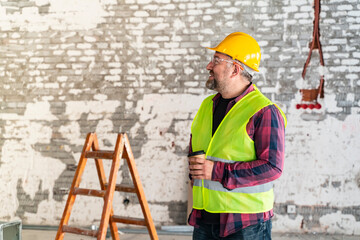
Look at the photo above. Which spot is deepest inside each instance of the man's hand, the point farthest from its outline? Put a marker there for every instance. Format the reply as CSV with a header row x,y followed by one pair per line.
x,y
200,168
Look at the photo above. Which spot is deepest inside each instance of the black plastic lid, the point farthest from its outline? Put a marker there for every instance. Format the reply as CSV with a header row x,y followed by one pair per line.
x,y
196,153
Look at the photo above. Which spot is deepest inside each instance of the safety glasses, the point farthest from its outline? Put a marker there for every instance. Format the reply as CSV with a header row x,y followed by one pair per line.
x,y
216,60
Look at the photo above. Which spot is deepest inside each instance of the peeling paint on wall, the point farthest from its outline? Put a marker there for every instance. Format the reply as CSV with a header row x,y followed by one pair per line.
x,y
162,139
36,16
27,172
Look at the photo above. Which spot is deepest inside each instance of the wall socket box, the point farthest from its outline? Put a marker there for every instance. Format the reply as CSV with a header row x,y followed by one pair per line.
x,y
291,209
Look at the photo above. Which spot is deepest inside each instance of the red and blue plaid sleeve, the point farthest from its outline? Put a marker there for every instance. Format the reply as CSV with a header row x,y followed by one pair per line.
x,y
267,130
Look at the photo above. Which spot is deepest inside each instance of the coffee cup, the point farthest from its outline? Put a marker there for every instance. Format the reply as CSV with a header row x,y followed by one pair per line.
x,y
198,154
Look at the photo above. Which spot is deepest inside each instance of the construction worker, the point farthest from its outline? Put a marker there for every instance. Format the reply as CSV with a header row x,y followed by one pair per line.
x,y
241,133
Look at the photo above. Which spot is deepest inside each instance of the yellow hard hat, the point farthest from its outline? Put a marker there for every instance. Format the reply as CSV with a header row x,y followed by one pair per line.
x,y
242,47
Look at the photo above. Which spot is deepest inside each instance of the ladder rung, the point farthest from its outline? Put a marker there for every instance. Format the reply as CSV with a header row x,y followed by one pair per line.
x,y
89,192
91,233
128,220
100,154
124,188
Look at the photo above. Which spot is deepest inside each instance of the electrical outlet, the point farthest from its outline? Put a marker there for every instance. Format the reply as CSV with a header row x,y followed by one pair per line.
x,y
291,209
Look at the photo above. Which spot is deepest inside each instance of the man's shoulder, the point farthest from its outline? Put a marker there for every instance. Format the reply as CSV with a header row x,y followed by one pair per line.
x,y
268,113
269,108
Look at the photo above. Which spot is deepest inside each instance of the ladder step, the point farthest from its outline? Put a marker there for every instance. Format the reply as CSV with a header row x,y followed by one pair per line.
x,y
100,154
89,192
129,220
74,230
124,188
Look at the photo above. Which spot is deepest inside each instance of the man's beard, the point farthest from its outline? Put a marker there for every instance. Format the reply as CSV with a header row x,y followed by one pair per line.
x,y
211,84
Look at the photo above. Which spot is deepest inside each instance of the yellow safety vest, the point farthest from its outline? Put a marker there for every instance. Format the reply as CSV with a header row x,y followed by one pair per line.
x,y
230,143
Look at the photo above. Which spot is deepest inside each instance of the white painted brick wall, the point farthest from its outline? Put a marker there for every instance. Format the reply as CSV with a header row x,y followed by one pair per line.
x,y
138,66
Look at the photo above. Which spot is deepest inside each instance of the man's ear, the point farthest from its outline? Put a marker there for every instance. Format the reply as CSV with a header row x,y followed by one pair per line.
x,y
237,69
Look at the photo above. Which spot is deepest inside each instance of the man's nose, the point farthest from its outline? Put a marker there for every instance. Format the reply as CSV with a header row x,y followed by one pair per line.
x,y
210,66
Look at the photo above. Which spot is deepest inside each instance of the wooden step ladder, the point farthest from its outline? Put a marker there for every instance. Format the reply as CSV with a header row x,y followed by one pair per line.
x,y
122,151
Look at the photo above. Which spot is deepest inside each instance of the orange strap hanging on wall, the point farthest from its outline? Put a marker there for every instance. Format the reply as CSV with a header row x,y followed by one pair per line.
x,y
312,94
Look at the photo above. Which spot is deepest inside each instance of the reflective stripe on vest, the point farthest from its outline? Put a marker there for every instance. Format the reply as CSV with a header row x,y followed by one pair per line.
x,y
216,186
230,143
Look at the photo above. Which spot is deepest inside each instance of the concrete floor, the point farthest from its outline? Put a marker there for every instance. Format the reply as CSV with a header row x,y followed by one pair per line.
x,y
49,235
